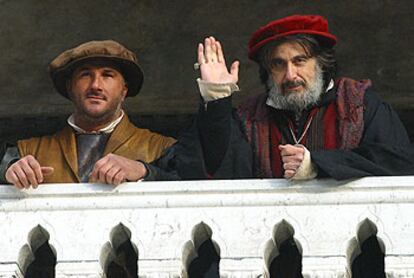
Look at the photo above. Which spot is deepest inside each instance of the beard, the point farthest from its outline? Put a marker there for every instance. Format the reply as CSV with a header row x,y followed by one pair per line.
x,y
103,112
296,101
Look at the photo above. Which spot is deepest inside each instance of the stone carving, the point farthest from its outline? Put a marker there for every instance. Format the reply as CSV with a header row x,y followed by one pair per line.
x,y
37,258
366,252
160,215
201,254
119,256
283,253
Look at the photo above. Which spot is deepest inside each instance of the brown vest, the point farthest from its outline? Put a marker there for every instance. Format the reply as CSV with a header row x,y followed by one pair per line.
x,y
59,150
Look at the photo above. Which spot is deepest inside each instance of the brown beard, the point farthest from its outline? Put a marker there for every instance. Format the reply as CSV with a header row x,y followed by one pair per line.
x,y
296,102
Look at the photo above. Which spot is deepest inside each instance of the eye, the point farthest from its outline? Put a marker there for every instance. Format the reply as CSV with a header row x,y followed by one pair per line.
x,y
84,73
277,63
108,74
301,60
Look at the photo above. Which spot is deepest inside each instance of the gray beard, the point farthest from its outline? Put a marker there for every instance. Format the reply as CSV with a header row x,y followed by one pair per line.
x,y
296,102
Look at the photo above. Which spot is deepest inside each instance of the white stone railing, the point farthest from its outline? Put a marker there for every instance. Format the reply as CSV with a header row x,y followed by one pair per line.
x,y
241,214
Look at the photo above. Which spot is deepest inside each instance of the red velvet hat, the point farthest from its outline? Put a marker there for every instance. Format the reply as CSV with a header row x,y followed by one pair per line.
x,y
314,25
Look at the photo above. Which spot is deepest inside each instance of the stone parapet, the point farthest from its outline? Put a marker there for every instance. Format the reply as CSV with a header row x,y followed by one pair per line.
x,y
246,221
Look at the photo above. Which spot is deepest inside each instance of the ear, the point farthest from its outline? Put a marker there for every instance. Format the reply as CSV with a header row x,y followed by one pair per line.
x,y
69,88
125,90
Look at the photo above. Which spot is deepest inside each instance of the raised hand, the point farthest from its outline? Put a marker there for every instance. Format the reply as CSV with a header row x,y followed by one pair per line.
x,y
115,169
27,172
213,65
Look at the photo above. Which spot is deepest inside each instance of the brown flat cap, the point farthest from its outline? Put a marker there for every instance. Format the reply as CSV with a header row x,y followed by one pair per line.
x,y
62,66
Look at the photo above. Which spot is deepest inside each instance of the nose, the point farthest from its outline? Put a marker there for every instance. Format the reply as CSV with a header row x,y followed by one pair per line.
x,y
96,82
291,72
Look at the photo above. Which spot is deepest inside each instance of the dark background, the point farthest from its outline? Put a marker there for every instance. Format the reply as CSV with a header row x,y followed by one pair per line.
x,y
375,41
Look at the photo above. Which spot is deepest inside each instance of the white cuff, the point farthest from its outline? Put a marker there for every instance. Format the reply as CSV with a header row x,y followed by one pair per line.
x,y
307,170
212,91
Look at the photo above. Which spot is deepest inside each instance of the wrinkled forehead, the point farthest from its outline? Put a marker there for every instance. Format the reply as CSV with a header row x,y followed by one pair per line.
x,y
290,49
98,63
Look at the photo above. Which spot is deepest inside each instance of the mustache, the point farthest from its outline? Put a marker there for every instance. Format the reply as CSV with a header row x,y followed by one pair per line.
x,y
94,93
288,84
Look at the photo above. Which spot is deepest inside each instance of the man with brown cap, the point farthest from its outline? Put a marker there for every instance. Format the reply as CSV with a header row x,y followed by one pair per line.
x,y
308,123
99,143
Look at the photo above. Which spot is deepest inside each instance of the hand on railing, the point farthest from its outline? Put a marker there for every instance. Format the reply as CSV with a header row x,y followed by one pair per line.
x,y
27,172
115,169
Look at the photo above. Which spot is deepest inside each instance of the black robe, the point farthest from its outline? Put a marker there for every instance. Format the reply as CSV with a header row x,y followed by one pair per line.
x,y
217,146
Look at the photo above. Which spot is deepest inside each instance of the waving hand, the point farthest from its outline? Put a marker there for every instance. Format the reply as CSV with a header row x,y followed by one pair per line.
x,y
213,64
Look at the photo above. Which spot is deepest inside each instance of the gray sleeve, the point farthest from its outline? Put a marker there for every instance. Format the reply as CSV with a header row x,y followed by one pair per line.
x,y
10,156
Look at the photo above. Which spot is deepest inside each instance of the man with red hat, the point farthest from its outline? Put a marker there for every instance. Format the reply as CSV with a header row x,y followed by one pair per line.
x,y
308,123
99,143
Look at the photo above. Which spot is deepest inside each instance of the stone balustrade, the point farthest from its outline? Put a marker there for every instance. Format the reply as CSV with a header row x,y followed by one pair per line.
x,y
87,230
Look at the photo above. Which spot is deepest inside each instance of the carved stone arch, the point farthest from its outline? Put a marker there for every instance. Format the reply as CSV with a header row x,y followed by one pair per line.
x,y
37,258
366,252
119,256
201,254
283,253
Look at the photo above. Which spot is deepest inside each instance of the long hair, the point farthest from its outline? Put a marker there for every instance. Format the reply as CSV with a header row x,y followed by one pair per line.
x,y
325,56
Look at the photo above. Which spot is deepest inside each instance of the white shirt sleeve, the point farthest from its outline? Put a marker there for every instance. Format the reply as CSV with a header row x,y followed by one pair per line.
x,y
307,170
213,91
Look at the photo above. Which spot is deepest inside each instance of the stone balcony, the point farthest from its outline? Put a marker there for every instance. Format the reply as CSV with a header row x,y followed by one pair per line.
x,y
165,223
